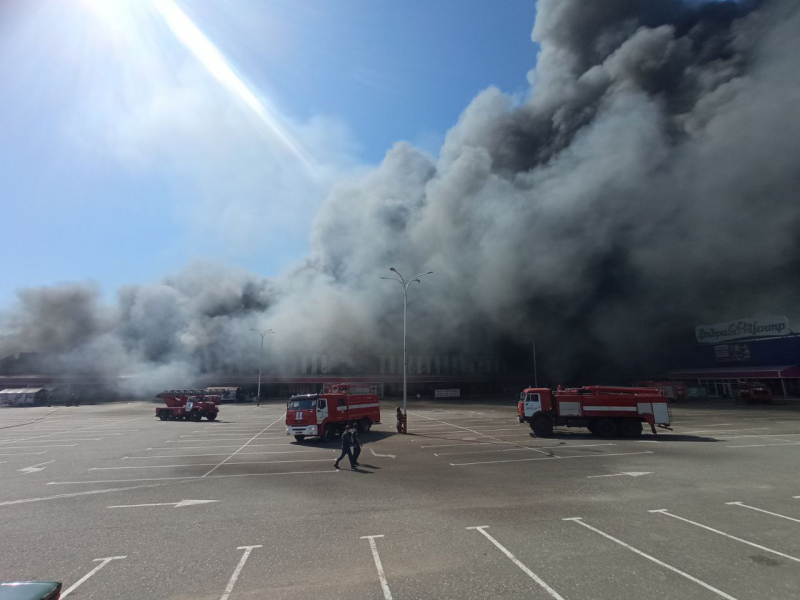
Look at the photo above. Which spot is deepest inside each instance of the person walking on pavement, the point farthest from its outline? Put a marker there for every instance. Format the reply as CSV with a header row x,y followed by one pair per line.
x,y
356,444
347,441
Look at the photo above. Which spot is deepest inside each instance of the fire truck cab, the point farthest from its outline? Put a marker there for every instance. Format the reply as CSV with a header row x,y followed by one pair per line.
x,y
327,413
605,411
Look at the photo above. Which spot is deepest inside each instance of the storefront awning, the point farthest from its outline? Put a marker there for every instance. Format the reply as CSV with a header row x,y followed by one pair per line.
x,y
777,372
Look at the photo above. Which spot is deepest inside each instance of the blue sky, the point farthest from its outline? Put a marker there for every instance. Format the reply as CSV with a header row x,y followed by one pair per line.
x,y
125,156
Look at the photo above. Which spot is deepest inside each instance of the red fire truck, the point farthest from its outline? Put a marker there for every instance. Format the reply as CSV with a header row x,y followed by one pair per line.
x,y
605,411
190,405
327,413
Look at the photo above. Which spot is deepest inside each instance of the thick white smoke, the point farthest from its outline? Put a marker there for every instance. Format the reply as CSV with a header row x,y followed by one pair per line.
x,y
647,184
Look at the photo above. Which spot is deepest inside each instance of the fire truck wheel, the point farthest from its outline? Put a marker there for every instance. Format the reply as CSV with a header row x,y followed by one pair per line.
x,y
299,438
606,428
196,415
327,434
364,425
542,426
211,416
163,415
630,428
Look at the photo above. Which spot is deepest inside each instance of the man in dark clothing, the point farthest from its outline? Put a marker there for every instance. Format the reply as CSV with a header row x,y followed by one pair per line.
x,y
347,441
356,444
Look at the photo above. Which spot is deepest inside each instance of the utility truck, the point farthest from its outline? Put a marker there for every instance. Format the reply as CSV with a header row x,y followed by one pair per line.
x,y
604,410
328,412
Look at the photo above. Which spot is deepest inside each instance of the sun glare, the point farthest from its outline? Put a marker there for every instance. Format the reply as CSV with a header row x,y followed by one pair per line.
x,y
212,59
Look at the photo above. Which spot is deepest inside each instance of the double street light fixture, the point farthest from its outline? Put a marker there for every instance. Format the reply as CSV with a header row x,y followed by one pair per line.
x,y
260,361
399,279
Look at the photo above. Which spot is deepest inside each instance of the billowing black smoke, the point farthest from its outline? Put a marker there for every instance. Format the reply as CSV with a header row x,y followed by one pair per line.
x,y
648,183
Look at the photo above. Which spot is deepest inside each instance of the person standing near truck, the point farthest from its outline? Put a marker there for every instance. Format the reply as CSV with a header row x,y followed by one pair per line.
x,y
347,441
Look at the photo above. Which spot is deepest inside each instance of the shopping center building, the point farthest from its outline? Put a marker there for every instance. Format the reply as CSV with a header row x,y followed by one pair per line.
x,y
747,350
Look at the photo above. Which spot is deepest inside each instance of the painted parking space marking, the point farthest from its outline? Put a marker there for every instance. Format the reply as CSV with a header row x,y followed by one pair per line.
x,y
579,521
87,428
665,512
191,478
286,443
60,440
36,447
783,443
382,455
550,457
387,594
491,437
762,435
472,445
774,514
625,474
24,453
103,562
258,462
35,468
242,448
237,571
517,449
226,454
516,561
179,504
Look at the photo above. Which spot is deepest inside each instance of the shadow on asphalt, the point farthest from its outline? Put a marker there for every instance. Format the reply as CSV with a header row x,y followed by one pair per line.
x,y
366,438
565,436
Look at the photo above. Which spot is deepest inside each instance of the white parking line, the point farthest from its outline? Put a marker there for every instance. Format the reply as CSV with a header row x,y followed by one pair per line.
x,y
221,446
721,431
664,511
256,462
24,453
786,443
82,580
36,447
468,445
210,441
774,514
190,478
238,570
550,457
381,575
520,449
212,436
579,521
243,446
761,435
85,428
491,437
516,561
63,440
226,454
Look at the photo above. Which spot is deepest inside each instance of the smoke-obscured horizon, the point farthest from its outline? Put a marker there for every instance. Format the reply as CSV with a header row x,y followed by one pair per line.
x,y
647,184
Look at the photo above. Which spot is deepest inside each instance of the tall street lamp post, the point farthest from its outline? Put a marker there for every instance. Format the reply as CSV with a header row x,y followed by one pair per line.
x,y
260,361
399,279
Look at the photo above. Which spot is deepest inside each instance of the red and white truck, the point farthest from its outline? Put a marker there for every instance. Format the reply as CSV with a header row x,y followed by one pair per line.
x,y
327,413
604,410
190,405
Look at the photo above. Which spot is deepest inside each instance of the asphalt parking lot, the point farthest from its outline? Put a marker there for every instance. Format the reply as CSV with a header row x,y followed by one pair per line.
x,y
117,504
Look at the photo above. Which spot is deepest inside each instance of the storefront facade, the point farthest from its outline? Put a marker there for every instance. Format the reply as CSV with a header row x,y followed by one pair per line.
x,y
728,354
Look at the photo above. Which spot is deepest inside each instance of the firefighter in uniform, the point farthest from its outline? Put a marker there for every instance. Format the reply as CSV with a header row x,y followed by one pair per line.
x,y
347,441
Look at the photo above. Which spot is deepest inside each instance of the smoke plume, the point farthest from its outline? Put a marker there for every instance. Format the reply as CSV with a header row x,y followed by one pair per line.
x,y
647,183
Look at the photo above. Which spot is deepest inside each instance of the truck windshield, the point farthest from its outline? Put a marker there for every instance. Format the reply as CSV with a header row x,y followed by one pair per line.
x,y
302,404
